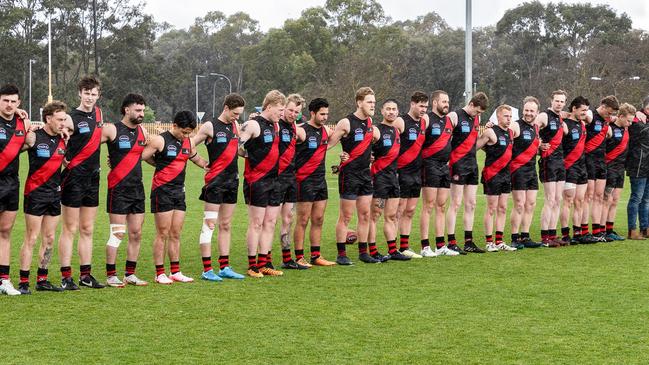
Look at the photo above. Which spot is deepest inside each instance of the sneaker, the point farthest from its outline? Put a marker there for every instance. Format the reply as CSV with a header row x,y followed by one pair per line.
x,y
366,258
381,257
600,237
564,241
550,243
412,254
269,271
292,265
228,273
427,252
304,262
518,245
587,239
210,276
446,251
254,273
574,240
614,236
179,277
344,260
90,282
457,249
528,243
113,281
320,261
134,280
399,256
163,279
45,285
502,246
68,284
491,247
23,288
471,247
7,288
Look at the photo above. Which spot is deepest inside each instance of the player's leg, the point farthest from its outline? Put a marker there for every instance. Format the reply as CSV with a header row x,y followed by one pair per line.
x,y
117,231
210,221
518,211
501,219
173,247
45,253
7,219
569,193
32,230
347,207
134,228
86,227
255,224
429,198
266,241
315,233
69,228
225,213
489,214
162,227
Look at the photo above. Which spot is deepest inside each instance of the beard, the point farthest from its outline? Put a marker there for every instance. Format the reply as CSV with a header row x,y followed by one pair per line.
x,y
137,120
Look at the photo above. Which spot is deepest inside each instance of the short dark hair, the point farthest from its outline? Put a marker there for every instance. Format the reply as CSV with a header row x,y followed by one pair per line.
x,y
480,100
233,101
185,119
89,83
610,101
9,89
578,102
318,103
418,97
436,94
53,107
131,99
390,100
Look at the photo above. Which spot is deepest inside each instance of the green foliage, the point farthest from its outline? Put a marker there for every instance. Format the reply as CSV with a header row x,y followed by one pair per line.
x,y
149,114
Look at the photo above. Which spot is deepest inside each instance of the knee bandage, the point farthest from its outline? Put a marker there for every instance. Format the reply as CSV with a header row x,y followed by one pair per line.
x,y
113,240
206,230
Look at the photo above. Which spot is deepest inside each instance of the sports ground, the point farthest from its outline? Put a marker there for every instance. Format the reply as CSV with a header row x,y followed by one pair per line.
x,y
573,305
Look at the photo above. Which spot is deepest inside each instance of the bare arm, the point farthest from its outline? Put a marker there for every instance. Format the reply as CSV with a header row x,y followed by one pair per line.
x,y
342,129
400,124
541,120
195,157
108,133
30,139
300,134
488,137
376,134
453,117
249,130
205,132
516,129
155,145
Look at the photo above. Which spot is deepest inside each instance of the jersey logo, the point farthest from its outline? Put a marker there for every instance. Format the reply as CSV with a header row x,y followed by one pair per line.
x,y
313,142
618,133
387,141
436,130
286,135
3,133
268,136
124,142
172,151
527,135
502,141
598,126
359,135
465,126
553,125
43,150
83,127
412,134
575,134
221,137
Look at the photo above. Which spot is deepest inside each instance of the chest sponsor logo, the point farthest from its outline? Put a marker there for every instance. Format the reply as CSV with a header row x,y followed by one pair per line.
x,y
43,150
124,142
172,151
268,136
359,134
286,135
83,127
313,142
413,133
465,127
221,137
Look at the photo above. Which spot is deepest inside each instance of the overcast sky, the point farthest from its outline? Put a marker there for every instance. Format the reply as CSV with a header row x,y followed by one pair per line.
x,y
271,14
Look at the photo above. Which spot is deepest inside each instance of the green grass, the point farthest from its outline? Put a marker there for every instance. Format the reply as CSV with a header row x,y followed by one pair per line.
x,y
582,304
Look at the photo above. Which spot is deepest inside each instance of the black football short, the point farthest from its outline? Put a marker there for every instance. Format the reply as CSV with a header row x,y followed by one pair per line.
x,y
221,191
167,199
287,189
125,200
615,179
9,196
525,178
551,170
595,167
351,185
435,174
499,184
40,205
79,190
261,193
386,186
409,184
577,173
312,189
468,175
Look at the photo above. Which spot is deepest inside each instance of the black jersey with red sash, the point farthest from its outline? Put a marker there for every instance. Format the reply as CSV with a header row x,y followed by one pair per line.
x,y
45,159
412,140
286,149
596,136
310,155
222,152
125,155
573,143
386,151
263,153
552,134
170,163
12,138
525,147
616,148
83,146
437,141
357,145
498,155
463,153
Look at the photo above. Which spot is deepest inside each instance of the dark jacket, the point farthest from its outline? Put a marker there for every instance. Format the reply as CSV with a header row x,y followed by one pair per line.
x,y
637,160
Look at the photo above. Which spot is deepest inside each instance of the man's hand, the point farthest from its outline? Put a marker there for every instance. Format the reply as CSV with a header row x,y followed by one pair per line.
x,y
544,146
22,114
489,124
344,156
564,114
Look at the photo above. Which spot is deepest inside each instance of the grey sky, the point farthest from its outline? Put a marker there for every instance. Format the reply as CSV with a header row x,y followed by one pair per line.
x,y
271,14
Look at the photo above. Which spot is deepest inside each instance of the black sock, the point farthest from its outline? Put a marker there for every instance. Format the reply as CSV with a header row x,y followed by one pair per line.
x,y
425,243
439,242
514,237
342,250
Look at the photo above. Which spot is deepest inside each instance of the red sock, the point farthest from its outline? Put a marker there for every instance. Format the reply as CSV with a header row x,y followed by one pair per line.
x,y
159,270
224,261
252,262
261,260
286,255
392,246
175,267
207,263
403,242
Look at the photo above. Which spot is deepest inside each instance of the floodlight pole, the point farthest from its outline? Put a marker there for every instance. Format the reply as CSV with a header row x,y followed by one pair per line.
x,y
468,54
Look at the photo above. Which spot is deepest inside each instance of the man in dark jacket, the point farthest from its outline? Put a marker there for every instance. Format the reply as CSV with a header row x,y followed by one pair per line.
x,y
637,167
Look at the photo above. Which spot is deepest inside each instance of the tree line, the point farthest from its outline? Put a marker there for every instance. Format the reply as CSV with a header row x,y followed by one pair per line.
x,y
329,51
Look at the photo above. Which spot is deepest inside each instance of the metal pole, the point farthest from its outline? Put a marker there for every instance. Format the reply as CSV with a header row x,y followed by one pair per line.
x,y
49,46
214,100
30,88
196,95
468,54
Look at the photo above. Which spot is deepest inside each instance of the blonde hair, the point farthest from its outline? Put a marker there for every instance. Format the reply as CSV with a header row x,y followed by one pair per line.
x,y
500,108
363,92
531,99
626,109
296,99
274,97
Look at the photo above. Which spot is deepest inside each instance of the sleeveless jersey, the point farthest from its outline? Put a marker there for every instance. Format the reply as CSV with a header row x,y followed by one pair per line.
x,y
525,147
596,136
12,138
263,153
357,145
311,154
498,155
553,134
170,163
83,145
45,159
125,155
573,143
437,143
412,140
386,151
463,153
286,149
222,152
617,147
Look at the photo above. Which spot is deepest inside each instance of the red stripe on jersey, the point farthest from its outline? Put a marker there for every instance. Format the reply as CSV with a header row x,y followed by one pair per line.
x,y
576,152
597,141
465,147
45,172
381,163
440,142
555,142
492,170
526,156
224,160
124,167
415,149
287,157
171,171
619,149
253,174
314,161
360,148
12,149
92,146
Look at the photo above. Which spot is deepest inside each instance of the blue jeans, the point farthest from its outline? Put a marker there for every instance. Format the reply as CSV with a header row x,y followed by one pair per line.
x,y
638,203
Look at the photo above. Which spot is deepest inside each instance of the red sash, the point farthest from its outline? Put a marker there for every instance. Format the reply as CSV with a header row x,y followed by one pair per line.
x,y
619,149
555,142
577,152
414,151
526,156
316,159
379,164
492,170
440,142
360,148
45,172
93,144
264,167
12,149
126,165
171,171
287,157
